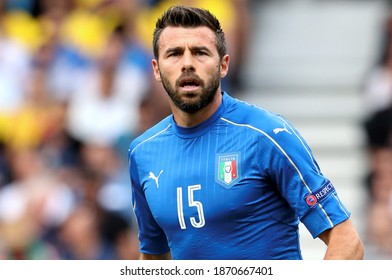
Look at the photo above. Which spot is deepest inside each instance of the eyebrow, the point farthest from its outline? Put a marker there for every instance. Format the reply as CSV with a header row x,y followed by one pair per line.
x,y
200,49
175,49
193,49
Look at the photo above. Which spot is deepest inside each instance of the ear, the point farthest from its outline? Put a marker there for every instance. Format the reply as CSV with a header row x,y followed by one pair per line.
x,y
155,67
224,66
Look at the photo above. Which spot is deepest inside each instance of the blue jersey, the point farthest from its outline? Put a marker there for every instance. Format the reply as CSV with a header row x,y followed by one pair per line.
x,y
233,187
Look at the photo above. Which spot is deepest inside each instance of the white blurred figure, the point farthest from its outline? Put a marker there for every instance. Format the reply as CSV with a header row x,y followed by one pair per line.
x,y
106,106
33,203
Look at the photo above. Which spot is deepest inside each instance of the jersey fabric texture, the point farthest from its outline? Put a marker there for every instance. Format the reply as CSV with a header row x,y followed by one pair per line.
x,y
233,187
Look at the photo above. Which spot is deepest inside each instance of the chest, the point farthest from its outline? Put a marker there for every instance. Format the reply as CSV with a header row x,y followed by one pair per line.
x,y
193,183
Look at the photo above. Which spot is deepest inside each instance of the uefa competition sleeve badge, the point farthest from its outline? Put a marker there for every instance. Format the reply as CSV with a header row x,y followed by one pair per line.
x,y
228,169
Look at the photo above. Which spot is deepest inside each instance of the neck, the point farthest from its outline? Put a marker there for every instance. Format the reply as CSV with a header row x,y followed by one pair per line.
x,y
185,119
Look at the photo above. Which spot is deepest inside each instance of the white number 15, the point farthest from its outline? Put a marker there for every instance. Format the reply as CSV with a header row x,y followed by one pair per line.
x,y
197,223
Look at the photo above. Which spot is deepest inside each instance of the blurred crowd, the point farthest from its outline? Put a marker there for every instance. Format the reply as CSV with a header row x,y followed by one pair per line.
x,y
76,86
377,125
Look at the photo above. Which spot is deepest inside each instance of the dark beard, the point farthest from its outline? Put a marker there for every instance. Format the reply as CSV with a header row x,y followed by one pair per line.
x,y
208,92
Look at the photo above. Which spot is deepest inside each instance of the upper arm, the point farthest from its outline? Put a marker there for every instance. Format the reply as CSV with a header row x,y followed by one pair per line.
x,y
151,236
297,175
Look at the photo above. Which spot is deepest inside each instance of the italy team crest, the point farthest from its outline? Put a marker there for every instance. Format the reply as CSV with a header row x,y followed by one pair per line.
x,y
228,169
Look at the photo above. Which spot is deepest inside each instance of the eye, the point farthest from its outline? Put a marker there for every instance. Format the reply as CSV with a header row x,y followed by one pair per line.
x,y
173,54
201,53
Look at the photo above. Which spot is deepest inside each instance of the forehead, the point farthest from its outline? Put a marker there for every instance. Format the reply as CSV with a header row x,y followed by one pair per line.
x,y
179,36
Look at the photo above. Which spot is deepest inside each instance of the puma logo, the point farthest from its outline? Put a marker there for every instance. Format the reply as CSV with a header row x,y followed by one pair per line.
x,y
155,178
280,129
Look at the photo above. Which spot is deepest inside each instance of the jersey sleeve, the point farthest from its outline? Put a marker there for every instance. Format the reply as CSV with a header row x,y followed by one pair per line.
x,y
296,174
151,236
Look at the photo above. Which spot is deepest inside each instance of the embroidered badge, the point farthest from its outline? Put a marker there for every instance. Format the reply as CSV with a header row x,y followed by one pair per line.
x,y
228,169
320,194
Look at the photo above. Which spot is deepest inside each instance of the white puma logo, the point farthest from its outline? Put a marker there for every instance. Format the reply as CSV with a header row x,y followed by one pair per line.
x,y
280,129
155,178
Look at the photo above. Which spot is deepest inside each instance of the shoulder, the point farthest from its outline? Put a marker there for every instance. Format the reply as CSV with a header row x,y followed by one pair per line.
x,y
152,133
251,116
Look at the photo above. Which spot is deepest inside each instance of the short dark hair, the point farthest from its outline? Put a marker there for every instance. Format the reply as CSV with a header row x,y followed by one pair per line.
x,y
182,16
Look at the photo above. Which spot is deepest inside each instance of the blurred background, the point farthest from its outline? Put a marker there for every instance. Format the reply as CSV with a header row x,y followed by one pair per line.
x,y
76,86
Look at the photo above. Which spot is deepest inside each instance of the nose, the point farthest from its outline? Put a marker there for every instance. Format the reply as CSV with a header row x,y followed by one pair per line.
x,y
188,62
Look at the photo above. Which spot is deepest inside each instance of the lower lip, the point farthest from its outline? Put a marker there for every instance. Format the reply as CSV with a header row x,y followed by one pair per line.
x,y
189,89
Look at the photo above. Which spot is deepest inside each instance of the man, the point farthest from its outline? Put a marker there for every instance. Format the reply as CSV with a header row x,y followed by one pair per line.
x,y
219,178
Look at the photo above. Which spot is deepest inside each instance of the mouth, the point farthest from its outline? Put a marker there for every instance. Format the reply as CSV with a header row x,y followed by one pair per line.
x,y
189,84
